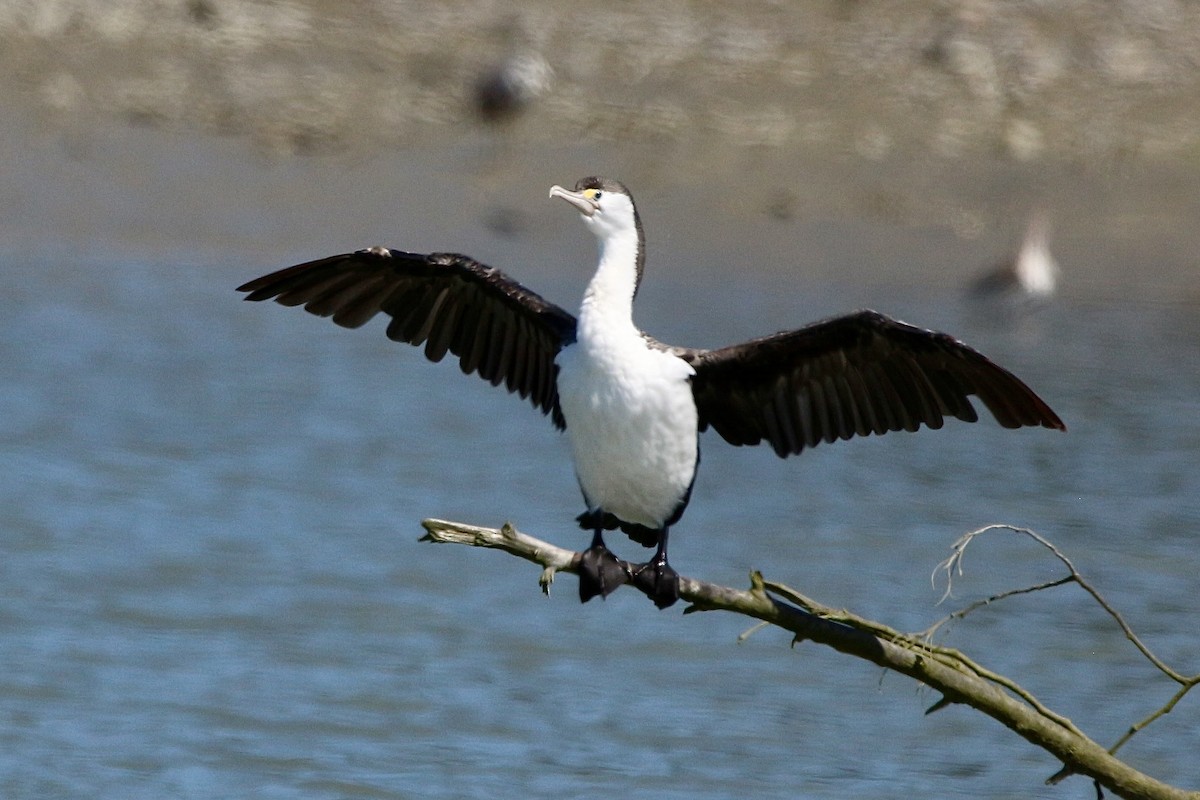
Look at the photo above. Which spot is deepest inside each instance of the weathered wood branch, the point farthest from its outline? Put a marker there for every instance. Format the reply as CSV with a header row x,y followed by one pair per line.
x,y
956,677
953,564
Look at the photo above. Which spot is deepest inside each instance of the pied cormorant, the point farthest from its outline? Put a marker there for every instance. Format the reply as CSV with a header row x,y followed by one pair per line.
x,y
633,407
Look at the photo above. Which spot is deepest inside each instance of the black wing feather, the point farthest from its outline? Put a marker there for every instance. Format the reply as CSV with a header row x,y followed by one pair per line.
x,y
446,302
856,375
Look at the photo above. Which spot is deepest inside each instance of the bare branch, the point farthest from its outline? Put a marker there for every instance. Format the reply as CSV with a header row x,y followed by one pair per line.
x,y
1166,709
953,565
957,678
987,601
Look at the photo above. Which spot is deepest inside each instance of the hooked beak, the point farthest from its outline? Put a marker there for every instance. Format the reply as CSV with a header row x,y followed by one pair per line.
x,y
584,205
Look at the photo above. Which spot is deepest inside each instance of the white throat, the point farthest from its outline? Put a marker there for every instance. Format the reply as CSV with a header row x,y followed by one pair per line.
x,y
607,307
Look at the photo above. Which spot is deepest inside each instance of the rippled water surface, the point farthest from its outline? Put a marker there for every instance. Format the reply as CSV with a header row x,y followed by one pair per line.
x,y
212,586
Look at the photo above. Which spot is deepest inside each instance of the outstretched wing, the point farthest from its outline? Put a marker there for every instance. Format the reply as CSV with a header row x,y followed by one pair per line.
x,y
449,303
849,376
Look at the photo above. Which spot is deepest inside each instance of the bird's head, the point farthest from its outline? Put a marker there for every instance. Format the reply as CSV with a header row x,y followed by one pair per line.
x,y
605,205
607,209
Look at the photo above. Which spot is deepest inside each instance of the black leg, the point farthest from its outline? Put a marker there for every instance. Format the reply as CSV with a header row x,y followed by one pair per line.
x,y
656,578
600,572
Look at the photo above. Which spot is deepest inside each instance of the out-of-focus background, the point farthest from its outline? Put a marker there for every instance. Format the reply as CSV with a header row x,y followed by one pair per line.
x,y
209,579
953,119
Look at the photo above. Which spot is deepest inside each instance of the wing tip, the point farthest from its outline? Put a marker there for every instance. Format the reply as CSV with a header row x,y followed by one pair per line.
x,y
1054,423
252,287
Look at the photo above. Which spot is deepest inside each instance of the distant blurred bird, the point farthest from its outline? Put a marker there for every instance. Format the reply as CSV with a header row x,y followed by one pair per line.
x,y
508,88
502,93
1032,274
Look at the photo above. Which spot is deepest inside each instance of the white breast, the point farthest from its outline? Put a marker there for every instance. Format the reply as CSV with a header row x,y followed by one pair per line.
x,y
632,425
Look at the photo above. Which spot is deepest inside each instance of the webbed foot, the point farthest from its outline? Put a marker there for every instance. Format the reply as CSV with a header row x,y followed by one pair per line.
x,y
600,572
659,582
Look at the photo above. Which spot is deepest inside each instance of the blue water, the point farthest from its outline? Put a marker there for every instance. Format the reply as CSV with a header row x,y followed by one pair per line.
x,y
212,585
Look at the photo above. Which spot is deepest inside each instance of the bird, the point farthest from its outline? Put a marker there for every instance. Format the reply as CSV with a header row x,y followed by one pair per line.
x,y
633,408
1030,275
508,88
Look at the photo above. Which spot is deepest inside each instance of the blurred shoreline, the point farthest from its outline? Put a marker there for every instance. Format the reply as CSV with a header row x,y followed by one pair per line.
x,y
956,116
1033,81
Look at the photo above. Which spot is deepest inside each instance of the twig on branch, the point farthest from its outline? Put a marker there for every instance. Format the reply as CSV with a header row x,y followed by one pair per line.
x,y
953,566
943,669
